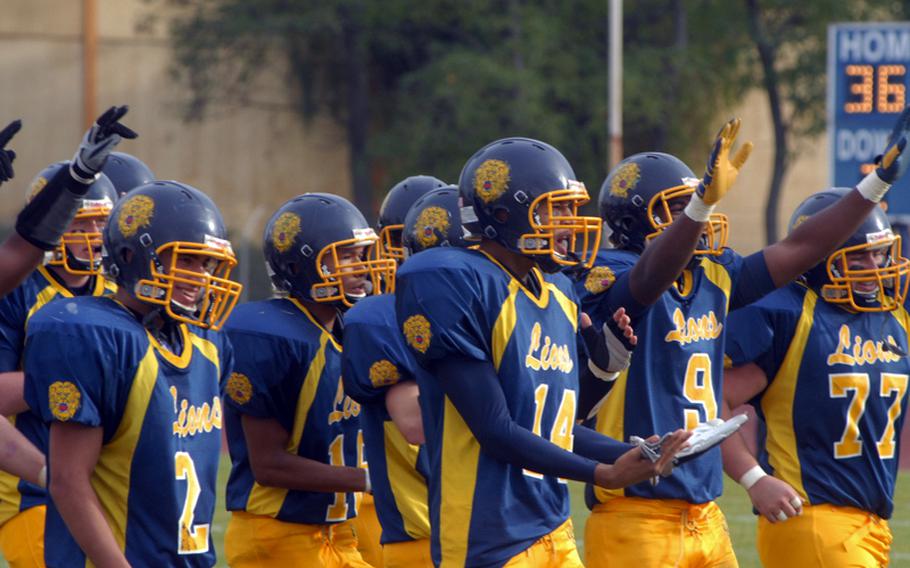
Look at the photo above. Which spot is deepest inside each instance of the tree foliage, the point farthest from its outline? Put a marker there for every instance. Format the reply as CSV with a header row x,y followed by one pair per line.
x,y
419,86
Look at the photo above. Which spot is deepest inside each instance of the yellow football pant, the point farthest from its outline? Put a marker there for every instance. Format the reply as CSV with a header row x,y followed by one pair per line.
x,y
22,538
646,533
825,535
408,554
256,540
368,530
554,550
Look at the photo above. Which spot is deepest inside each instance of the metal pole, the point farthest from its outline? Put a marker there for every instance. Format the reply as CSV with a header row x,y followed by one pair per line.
x,y
615,82
89,60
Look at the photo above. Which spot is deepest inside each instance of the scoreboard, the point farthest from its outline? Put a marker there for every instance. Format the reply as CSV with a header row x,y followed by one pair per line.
x,y
868,75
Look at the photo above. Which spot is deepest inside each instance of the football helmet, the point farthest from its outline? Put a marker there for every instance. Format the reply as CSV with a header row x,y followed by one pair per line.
x,y
839,283
79,250
514,185
394,209
636,197
152,232
303,246
126,171
434,221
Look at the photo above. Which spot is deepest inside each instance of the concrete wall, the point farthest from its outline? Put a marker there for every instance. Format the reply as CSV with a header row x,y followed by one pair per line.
x,y
249,160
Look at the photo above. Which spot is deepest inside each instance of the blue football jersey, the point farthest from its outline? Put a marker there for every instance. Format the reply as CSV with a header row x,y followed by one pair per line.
x,y
375,358
835,402
288,369
460,302
16,309
89,361
674,380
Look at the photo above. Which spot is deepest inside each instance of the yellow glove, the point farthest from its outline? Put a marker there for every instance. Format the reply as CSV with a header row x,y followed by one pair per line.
x,y
722,171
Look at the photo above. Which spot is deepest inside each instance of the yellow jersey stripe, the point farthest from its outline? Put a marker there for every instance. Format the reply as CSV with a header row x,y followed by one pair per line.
x,y
777,403
610,419
408,486
208,350
719,276
505,324
460,458
568,306
111,478
268,500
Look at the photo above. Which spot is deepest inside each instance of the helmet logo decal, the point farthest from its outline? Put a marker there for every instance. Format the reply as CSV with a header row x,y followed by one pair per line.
x,y
64,399
135,214
599,279
625,179
799,221
491,179
36,188
239,388
430,221
285,231
383,373
883,236
417,332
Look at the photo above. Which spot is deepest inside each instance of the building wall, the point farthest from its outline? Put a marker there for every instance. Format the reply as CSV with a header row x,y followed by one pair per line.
x,y
250,160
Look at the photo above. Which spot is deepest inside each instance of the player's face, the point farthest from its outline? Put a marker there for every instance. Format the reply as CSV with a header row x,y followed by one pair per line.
x,y
354,284
867,260
677,205
192,268
562,237
78,247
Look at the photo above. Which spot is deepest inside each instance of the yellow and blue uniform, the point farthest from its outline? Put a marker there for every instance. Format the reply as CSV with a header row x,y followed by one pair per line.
x,y
833,412
288,369
460,304
89,361
398,470
674,381
16,495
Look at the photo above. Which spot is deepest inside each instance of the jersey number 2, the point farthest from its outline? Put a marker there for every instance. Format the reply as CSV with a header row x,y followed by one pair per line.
x,y
850,444
191,539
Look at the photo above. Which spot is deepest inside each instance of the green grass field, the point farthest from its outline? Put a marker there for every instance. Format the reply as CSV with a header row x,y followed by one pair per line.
x,y
734,503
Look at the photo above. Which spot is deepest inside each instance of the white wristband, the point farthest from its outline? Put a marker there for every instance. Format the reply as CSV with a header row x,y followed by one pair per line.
x,y
42,477
698,210
873,187
368,487
751,477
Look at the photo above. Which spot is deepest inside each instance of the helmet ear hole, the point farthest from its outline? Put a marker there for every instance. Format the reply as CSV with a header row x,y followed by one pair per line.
x,y
126,255
293,268
501,216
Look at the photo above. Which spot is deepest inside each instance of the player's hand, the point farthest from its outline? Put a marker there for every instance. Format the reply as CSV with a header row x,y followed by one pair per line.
x,y
99,141
7,156
775,500
892,163
624,326
633,467
722,171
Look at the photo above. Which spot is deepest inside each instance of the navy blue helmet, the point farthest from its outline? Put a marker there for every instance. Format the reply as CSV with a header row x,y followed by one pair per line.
x,y
153,232
636,196
434,221
394,209
126,171
305,242
79,251
842,279
519,189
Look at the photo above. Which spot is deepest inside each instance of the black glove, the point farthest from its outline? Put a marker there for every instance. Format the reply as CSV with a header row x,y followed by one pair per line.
x,y
7,156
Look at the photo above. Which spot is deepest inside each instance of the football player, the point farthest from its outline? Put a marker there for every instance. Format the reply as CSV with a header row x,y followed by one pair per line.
x,y
496,328
389,227
678,301
296,446
46,217
126,172
393,210
73,269
380,373
130,387
824,361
